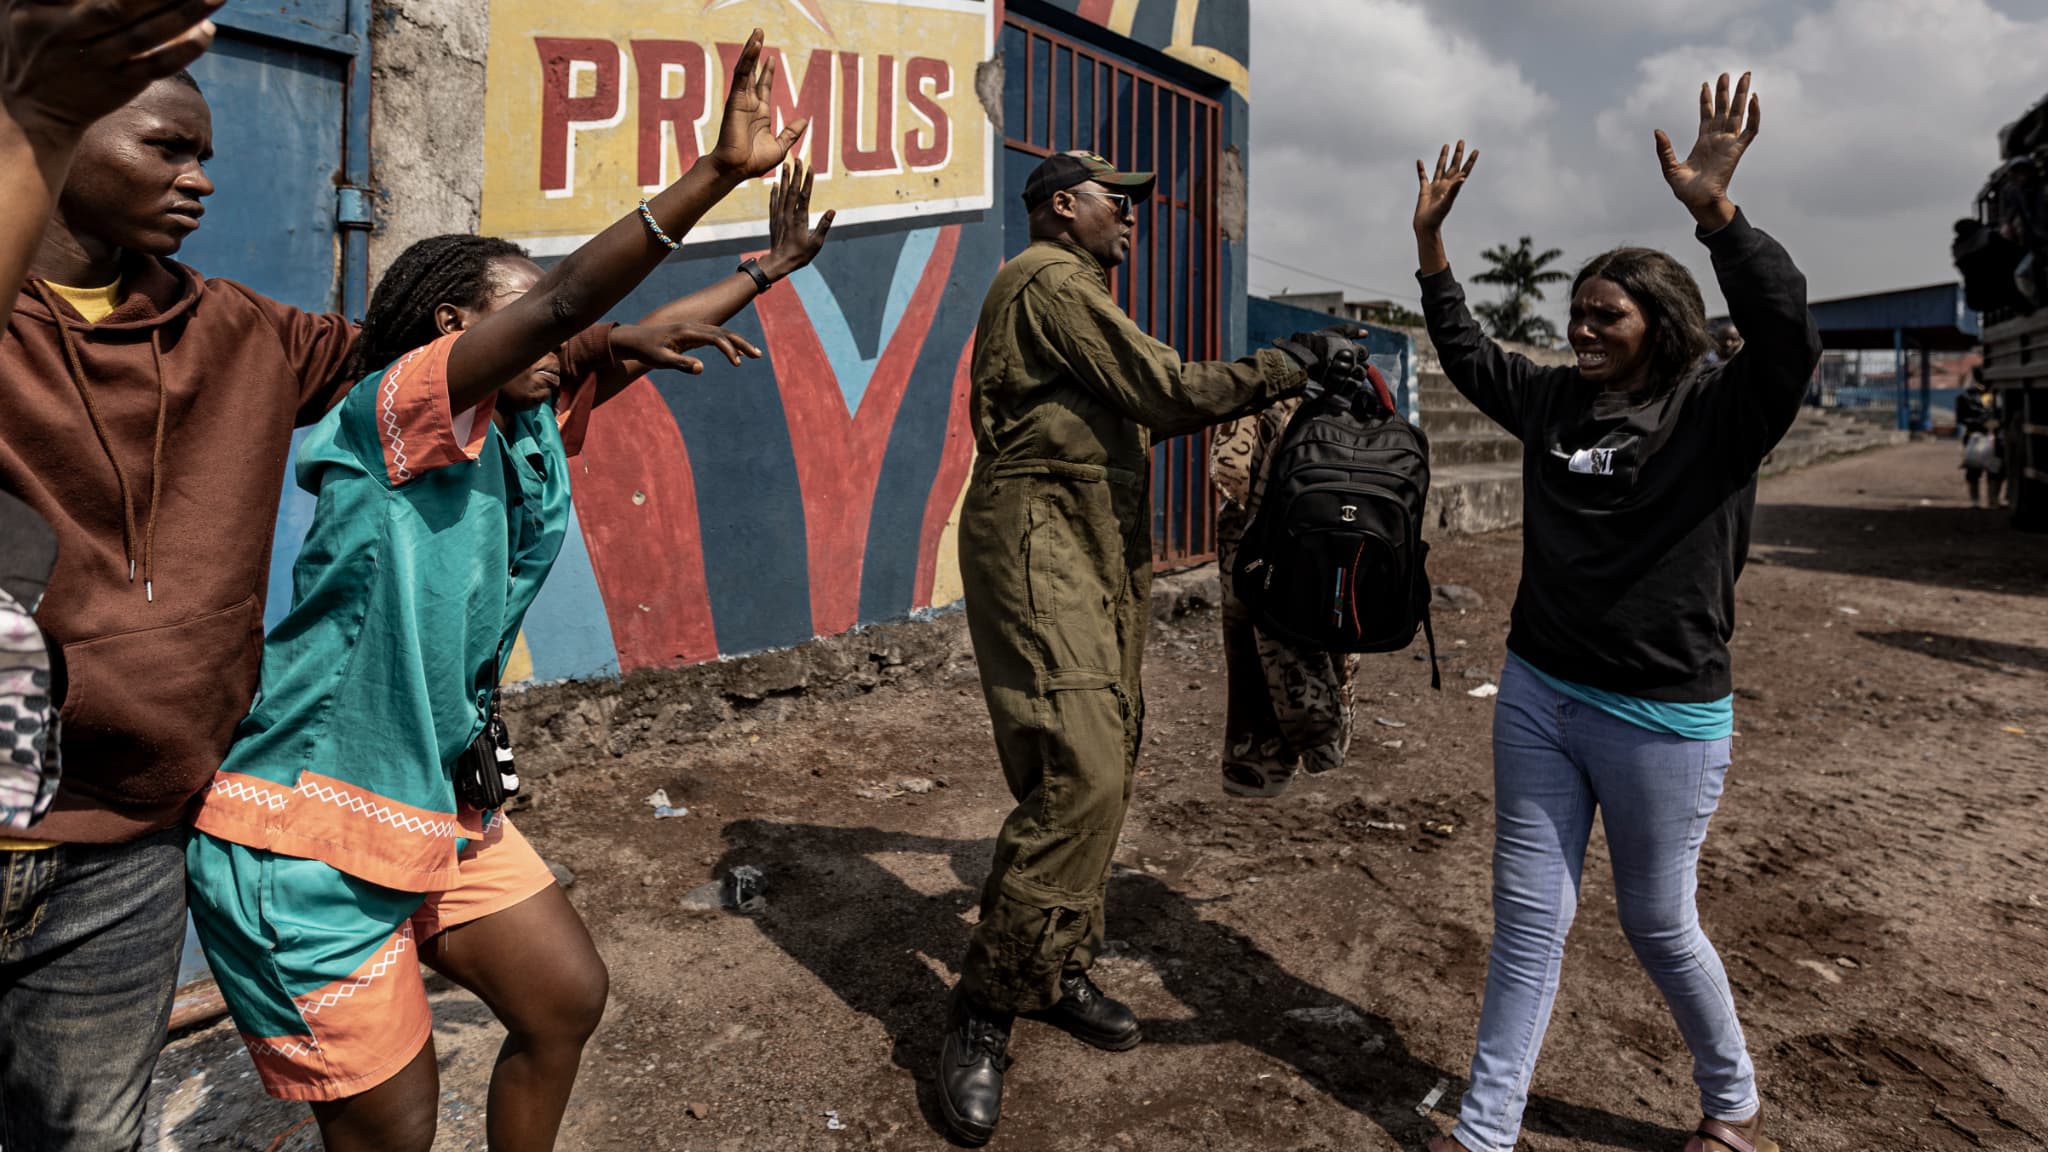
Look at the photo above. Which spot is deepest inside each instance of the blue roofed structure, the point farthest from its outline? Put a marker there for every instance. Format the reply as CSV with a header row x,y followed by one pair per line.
x,y
1932,317
1928,319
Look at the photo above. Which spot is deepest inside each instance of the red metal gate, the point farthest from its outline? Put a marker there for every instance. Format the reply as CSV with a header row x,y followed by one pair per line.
x,y
1062,94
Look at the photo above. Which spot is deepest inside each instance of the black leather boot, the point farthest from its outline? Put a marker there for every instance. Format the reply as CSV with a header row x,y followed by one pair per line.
x,y
971,1064
1091,1017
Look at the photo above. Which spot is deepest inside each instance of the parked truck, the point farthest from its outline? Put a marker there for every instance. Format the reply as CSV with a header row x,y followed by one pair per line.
x,y
2002,254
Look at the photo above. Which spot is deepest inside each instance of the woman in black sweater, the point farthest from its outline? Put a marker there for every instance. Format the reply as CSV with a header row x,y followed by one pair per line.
x,y
1639,479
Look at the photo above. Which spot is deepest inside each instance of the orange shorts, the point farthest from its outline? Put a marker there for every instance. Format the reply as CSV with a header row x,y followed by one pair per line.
x,y
321,969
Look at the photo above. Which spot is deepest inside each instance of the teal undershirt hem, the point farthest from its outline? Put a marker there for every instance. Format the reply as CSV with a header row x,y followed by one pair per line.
x,y
1714,720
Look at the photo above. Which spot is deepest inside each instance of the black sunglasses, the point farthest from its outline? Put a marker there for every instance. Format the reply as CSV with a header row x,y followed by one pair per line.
x,y
1118,200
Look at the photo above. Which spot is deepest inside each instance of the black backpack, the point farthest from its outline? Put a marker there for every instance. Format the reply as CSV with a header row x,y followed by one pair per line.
x,y
1333,562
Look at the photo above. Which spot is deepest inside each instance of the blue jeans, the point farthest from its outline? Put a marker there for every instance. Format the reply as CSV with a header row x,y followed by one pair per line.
x,y
1554,761
90,937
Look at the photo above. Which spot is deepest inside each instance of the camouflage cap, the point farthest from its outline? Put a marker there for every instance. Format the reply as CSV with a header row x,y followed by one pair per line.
x,y
1063,170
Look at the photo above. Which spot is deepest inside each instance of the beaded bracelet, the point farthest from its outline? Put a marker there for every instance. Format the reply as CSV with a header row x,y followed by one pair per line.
x,y
647,217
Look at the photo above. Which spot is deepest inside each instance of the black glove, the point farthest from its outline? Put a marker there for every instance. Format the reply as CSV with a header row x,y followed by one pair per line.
x,y
1332,359
1319,352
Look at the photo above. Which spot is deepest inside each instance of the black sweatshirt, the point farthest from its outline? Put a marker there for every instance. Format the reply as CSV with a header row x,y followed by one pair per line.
x,y
1636,510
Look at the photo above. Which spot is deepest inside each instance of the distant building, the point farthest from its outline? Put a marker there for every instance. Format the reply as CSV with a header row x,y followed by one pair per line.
x,y
1386,312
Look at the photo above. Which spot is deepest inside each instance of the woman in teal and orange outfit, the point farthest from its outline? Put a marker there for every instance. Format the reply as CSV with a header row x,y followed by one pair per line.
x,y
337,847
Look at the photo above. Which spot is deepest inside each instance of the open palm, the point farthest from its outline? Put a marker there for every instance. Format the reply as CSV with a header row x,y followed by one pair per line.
x,y
66,63
1435,193
748,145
1701,179
792,242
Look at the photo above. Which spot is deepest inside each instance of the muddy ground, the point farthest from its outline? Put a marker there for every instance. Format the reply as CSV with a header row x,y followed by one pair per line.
x,y
1310,968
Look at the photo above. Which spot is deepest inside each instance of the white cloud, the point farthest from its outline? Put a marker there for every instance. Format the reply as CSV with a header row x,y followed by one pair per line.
x,y
1655,15
1879,121
1342,110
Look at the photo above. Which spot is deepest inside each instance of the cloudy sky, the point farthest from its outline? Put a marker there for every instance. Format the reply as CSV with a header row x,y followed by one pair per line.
x,y
1879,124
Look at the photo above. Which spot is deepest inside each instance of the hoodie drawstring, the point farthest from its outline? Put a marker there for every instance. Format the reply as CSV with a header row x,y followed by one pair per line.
x,y
92,412
156,466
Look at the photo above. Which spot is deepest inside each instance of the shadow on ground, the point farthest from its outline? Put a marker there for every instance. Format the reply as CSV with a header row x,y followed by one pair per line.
x,y
865,933
1950,547
1983,655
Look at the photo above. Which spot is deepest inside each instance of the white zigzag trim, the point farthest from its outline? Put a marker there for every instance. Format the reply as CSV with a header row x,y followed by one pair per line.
x,y
289,1049
237,790
391,429
445,829
313,1006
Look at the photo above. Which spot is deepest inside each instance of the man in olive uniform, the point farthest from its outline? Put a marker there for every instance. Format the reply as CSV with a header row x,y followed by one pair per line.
x,y
1056,555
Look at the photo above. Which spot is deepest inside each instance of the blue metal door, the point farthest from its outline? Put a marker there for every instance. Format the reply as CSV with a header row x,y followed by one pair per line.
x,y
289,88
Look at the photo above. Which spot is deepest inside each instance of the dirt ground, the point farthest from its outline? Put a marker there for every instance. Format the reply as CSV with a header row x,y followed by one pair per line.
x,y
1310,968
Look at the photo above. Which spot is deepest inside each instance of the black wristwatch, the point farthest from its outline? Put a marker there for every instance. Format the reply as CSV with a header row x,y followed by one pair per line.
x,y
752,267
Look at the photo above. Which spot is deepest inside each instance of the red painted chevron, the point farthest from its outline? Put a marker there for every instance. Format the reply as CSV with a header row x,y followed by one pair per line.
x,y
956,456
839,458
639,517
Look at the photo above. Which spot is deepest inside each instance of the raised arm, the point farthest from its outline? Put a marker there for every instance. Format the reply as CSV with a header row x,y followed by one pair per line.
x,y
1496,381
590,281
1434,197
692,321
63,65
792,244
1146,380
1760,390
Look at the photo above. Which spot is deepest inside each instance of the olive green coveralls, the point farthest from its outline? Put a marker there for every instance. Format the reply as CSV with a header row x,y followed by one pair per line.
x,y
1056,558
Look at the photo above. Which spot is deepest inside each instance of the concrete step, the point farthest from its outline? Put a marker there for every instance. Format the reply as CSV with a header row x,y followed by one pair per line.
x,y
1471,498
1440,408
1446,397
1485,497
1474,448
1798,452
1444,412
1440,396
1467,421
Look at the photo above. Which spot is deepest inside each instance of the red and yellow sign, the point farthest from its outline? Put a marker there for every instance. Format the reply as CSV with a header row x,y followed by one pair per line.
x,y
589,107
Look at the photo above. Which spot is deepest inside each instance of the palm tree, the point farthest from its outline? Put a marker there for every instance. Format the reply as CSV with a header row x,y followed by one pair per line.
x,y
1523,271
1511,319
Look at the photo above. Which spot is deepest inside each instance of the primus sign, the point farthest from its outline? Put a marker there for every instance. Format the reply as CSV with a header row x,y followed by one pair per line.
x,y
579,126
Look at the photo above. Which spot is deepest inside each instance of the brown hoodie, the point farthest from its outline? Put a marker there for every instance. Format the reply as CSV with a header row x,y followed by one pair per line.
x,y
154,442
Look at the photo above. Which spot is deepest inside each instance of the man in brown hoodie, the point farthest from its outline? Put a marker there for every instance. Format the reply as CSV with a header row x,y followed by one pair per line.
x,y
148,415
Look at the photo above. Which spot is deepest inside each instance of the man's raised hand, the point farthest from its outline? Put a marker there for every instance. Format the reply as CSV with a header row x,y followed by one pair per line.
x,y
1700,181
66,63
748,145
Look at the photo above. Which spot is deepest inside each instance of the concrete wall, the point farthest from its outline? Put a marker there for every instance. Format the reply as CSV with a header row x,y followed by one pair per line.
x,y
813,491
426,138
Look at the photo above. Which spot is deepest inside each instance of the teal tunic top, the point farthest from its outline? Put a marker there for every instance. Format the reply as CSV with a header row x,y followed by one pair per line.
x,y
432,534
